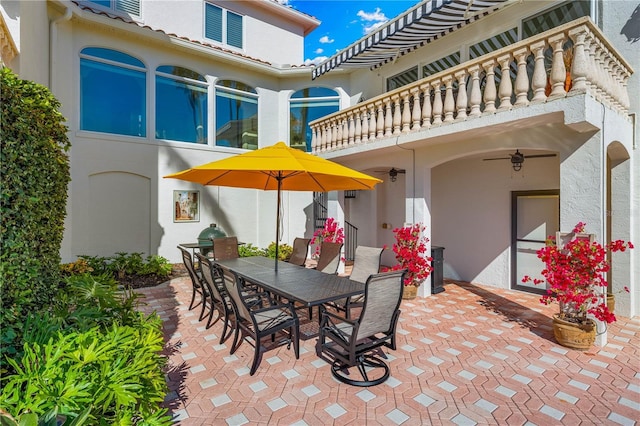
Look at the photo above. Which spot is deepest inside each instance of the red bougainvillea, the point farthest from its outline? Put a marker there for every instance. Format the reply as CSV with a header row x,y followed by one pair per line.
x,y
411,253
575,273
331,233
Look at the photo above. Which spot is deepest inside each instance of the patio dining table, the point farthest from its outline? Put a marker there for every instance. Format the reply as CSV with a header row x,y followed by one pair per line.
x,y
292,282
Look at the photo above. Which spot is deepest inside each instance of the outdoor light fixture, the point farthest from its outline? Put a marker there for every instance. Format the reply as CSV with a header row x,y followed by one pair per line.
x,y
516,161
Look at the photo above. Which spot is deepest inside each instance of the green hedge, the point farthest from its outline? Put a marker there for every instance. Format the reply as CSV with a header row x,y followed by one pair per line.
x,y
34,174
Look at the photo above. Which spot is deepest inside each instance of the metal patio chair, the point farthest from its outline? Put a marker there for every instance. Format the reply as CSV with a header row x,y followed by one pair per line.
x,y
256,322
196,280
349,343
329,259
225,248
300,249
365,263
218,300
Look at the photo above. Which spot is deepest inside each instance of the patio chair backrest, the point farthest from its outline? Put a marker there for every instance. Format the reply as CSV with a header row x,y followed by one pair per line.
x,y
365,263
211,275
188,263
234,289
329,257
225,248
300,249
382,297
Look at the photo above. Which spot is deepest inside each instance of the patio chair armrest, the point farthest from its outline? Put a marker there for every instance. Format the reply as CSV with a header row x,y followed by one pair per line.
x,y
287,306
339,317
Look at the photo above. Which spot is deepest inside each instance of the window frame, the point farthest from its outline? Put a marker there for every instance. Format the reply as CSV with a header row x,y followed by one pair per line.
x,y
115,7
246,96
142,68
310,100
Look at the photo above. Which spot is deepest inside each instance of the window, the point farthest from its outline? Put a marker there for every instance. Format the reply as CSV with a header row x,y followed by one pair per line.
x,y
494,43
236,115
405,77
307,105
223,26
441,64
181,105
562,14
112,92
131,7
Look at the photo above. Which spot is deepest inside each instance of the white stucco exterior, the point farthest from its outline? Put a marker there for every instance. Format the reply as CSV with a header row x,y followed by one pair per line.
x,y
119,200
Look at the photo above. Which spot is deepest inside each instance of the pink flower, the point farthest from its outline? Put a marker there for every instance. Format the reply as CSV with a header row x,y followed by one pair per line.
x,y
575,273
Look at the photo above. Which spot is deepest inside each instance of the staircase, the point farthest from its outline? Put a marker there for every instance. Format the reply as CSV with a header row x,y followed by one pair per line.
x,y
350,231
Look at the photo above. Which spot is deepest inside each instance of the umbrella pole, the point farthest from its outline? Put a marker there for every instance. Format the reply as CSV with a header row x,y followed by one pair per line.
x,y
278,219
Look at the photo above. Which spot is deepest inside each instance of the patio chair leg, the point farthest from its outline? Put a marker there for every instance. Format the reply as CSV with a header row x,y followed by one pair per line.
x,y
209,323
256,358
193,299
235,340
296,340
224,332
204,305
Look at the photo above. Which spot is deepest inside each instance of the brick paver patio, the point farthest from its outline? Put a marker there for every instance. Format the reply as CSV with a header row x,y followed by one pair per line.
x,y
470,355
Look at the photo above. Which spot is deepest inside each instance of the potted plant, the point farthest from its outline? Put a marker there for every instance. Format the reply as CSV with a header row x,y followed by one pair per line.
x,y
410,249
575,266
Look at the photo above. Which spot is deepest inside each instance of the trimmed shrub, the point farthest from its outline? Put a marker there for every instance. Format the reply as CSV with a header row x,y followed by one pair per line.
x,y
34,173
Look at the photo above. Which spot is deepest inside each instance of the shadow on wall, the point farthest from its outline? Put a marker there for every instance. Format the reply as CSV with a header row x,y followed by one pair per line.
x,y
631,28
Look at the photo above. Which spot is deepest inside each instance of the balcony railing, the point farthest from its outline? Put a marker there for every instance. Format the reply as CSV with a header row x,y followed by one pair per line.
x,y
537,71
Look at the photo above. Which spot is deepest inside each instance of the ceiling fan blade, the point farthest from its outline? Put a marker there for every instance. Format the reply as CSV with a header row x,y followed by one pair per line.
x,y
540,156
497,158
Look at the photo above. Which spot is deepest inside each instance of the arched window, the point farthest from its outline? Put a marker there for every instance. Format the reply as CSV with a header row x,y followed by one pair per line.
x,y
181,105
113,92
305,106
236,115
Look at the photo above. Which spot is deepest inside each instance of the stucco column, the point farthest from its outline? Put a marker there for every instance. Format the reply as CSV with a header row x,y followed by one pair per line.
x,y
582,196
418,209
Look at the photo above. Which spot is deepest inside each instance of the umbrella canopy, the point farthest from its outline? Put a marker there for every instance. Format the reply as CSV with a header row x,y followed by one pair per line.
x,y
278,168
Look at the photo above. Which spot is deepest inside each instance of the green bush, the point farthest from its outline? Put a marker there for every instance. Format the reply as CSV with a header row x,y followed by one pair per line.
x,y
92,350
34,173
114,372
284,251
248,250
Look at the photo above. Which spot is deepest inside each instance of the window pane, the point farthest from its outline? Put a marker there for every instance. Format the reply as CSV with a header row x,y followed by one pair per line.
x,y
112,55
300,116
494,43
234,30
314,92
181,72
558,16
105,3
181,111
112,99
441,64
236,120
213,22
405,77
232,84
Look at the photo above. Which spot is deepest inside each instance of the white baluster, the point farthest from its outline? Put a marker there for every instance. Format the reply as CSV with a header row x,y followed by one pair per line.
x,y
539,78
380,120
406,112
579,64
388,117
437,103
345,131
416,112
490,87
365,124
461,100
506,87
558,70
449,103
314,139
522,78
426,105
476,96
357,131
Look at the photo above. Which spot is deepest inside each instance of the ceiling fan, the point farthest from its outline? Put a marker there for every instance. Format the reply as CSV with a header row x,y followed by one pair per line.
x,y
393,173
518,158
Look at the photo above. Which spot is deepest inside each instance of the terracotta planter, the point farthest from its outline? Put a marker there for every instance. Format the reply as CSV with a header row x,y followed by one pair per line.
x,y
572,335
611,302
409,292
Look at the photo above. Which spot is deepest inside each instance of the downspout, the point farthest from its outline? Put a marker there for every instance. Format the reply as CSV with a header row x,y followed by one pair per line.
x,y
53,40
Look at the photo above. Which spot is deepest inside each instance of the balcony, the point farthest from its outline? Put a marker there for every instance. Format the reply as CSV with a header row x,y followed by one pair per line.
x,y
571,59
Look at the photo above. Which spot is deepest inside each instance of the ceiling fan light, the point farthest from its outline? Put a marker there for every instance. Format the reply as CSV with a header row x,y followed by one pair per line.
x,y
516,166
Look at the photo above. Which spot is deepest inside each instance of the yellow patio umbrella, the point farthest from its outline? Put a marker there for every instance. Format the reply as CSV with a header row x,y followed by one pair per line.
x,y
278,167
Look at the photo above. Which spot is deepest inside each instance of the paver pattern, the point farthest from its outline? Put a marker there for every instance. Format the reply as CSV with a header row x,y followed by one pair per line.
x,y
470,355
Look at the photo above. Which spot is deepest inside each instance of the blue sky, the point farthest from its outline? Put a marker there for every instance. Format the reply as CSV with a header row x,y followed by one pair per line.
x,y
344,22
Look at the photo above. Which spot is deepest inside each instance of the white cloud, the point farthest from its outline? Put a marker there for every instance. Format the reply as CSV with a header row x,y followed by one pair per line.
x,y
375,20
315,61
318,51
326,40
284,2
369,28
373,16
